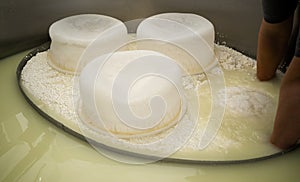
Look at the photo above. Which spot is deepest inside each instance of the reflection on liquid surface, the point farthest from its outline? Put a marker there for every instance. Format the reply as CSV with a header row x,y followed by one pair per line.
x,y
32,149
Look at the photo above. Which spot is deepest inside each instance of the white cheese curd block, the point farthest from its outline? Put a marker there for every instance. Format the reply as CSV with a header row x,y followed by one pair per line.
x,y
72,35
131,93
187,38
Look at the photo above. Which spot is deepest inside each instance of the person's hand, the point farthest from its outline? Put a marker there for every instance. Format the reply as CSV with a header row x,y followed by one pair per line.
x,y
286,130
272,45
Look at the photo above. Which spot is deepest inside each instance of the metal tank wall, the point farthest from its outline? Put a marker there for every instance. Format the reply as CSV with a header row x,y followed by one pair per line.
x,y
24,24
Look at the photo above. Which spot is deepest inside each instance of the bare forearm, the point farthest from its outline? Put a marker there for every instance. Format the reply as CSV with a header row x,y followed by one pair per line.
x,y
272,43
286,130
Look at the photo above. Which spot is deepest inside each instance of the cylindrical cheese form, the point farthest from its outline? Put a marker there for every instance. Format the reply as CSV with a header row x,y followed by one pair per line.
x,y
131,93
186,38
72,35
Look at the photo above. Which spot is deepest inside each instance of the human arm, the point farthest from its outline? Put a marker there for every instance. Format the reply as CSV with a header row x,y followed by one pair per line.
x,y
286,131
272,44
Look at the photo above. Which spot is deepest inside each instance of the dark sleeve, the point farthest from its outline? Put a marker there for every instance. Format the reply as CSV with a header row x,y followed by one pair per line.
x,y
276,11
